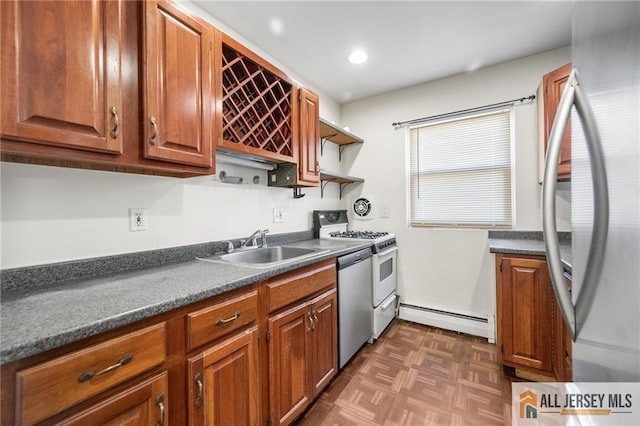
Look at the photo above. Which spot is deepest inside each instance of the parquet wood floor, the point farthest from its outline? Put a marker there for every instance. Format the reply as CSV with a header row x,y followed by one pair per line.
x,y
417,375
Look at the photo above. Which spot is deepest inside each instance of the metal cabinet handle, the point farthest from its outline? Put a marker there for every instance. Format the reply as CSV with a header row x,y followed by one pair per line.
x,y
89,374
221,321
311,325
160,403
573,95
153,139
315,320
116,123
200,397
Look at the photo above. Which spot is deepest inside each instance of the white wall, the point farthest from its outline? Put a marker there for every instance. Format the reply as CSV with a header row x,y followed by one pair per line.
x,y
52,214
449,269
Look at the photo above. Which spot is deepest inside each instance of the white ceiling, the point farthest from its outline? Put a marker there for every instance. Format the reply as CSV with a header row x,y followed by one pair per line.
x,y
407,42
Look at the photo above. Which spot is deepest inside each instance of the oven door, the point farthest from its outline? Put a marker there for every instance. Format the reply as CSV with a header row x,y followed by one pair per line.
x,y
384,274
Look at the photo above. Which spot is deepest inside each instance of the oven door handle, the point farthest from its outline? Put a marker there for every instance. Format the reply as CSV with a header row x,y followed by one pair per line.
x,y
389,302
386,252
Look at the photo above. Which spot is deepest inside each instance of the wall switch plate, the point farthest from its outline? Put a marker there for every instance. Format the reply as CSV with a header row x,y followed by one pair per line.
x,y
137,220
278,215
384,212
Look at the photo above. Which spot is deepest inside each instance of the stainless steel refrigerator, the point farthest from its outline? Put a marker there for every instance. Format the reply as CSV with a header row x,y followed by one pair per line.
x,y
602,101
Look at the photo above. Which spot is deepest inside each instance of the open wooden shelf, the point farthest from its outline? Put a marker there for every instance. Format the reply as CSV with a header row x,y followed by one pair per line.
x,y
329,132
343,180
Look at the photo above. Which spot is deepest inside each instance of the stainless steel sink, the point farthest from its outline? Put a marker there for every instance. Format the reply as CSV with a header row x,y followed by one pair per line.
x,y
264,257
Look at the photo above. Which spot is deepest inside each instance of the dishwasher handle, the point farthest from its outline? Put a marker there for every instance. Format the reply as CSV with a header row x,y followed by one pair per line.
x,y
353,258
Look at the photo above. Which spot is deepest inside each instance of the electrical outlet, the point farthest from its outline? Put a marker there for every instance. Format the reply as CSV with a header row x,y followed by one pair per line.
x,y
385,212
137,220
278,215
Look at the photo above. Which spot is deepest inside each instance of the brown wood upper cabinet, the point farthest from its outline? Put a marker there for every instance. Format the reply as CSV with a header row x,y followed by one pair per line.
x,y
259,107
74,93
549,95
62,73
179,89
309,165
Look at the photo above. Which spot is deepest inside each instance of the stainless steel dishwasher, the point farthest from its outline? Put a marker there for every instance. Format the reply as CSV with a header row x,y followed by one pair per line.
x,y
355,318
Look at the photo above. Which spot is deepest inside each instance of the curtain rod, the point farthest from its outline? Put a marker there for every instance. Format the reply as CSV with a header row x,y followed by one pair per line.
x,y
463,111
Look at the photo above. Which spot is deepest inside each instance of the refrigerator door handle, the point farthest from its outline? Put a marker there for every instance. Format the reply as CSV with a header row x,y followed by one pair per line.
x,y
573,95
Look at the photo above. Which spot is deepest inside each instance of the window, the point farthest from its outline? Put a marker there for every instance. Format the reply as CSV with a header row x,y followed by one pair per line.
x,y
460,171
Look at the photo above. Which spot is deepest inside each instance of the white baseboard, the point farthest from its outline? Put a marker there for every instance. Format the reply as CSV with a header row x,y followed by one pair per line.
x,y
482,327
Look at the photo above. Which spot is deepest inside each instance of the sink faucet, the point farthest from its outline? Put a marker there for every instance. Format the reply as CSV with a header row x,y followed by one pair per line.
x,y
253,238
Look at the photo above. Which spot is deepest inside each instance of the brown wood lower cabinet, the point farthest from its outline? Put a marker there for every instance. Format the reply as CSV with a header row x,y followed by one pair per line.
x,y
51,387
289,363
216,362
302,355
302,329
141,404
563,346
324,310
225,382
529,326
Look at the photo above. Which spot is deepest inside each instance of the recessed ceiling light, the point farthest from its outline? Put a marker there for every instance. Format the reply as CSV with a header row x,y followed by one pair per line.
x,y
358,56
276,26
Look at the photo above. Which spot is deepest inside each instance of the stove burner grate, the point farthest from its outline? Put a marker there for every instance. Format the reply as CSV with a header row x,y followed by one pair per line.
x,y
368,235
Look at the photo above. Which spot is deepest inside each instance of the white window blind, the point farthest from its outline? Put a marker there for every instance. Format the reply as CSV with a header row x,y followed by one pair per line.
x,y
461,171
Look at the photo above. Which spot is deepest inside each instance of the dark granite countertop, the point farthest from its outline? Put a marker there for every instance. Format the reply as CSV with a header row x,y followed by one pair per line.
x,y
529,242
42,318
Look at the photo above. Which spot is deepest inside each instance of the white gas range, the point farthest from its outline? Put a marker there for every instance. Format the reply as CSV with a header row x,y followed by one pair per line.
x,y
332,224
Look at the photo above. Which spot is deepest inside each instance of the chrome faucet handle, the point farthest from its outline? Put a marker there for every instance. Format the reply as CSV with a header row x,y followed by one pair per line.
x,y
263,237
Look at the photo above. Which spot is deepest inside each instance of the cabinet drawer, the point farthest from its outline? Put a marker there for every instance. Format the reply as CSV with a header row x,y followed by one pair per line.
x,y
54,386
220,319
288,288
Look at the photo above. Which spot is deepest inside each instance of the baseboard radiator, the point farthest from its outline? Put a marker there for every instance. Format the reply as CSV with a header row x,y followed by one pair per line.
x,y
476,326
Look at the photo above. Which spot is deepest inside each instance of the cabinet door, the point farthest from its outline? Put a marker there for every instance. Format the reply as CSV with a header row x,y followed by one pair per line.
x,y
178,90
142,404
309,165
61,73
526,305
554,84
290,353
324,311
224,388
